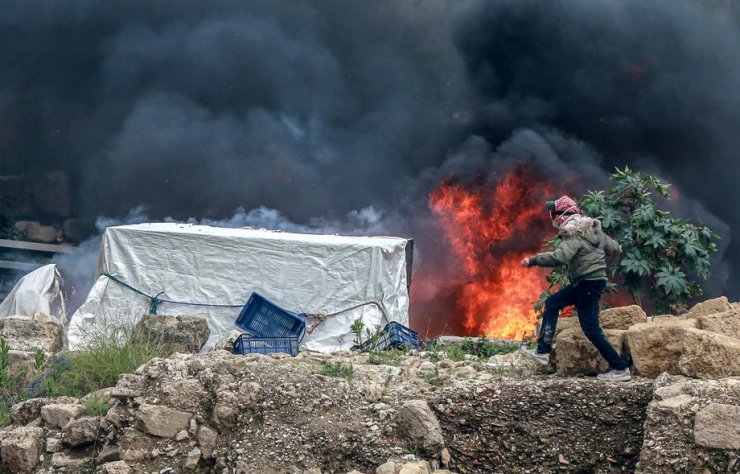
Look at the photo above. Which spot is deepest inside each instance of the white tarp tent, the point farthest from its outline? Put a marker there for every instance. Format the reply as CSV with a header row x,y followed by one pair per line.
x,y
39,291
222,266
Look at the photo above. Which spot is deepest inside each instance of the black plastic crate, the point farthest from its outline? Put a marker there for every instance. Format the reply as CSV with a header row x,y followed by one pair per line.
x,y
245,344
264,319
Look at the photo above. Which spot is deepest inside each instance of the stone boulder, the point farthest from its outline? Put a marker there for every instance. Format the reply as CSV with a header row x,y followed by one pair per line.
x,y
417,422
622,317
28,410
161,421
575,355
26,333
81,432
718,426
175,333
715,305
708,355
58,415
727,323
21,447
566,323
676,346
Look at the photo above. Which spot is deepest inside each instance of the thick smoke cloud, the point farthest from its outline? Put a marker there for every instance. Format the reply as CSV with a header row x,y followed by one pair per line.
x,y
652,83
195,108
318,107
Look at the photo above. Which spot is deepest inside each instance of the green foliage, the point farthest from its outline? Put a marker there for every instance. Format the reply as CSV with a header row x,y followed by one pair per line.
x,y
109,352
371,336
356,329
662,256
482,348
337,369
96,406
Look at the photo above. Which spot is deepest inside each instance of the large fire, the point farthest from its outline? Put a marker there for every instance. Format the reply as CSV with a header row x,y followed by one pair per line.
x,y
490,228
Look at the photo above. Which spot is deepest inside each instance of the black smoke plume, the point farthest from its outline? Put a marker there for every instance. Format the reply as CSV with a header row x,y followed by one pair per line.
x,y
319,107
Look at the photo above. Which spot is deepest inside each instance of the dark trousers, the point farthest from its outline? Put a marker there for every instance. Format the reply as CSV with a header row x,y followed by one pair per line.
x,y
585,295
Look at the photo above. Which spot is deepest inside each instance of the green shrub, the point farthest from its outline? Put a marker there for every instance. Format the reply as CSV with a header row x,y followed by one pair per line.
x,y
108,352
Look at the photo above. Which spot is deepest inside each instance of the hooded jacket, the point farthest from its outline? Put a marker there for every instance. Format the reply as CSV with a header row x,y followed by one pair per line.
x,y
583,249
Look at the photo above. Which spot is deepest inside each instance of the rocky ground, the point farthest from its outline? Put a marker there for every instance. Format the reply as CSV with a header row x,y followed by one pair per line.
x,y
220,412
392,413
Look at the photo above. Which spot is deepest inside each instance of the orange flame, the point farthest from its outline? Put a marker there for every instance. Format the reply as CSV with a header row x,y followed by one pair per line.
x,y
490,230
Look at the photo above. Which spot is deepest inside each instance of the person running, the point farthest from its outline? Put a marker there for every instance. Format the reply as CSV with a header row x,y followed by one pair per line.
x,y
583,247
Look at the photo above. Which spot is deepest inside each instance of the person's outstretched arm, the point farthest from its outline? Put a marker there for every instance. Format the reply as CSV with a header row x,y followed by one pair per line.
x,y
562,254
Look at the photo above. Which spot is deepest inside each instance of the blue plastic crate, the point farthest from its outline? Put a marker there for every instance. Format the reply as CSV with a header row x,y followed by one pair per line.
x,y
245,344
393,336
262,318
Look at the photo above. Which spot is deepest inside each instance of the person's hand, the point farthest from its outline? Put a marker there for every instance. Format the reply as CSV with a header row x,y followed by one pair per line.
x,y
525,262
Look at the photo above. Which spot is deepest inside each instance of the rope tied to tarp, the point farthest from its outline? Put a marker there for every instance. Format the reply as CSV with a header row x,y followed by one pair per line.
x,y
155,300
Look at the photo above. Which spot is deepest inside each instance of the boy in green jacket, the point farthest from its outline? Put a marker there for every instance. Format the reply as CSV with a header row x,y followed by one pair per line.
x,y
582,248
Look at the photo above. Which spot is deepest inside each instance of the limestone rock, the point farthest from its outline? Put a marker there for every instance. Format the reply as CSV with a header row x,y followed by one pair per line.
x,y
28,410
372,392
576,355
716,305
21,448
566,323
622,317
23,333
115,467
718,426
226,411
708,355
417,422
82,432
656,346
386,468
161,421
207,439
184,394
58,415
727,323
415,467
176,333
65,460
193,459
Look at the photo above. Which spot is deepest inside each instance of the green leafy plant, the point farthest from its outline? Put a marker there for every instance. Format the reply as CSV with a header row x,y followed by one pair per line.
x,y
662,256
356,329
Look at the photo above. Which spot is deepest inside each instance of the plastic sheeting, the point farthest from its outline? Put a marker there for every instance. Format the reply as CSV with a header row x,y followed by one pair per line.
x,y
38,291
204,265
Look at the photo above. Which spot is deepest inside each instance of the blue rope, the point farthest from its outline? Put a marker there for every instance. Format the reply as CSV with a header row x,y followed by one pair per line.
x,y
156,300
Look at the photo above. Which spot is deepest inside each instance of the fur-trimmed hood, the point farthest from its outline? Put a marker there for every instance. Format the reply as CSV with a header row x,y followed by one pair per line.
x,y
580,226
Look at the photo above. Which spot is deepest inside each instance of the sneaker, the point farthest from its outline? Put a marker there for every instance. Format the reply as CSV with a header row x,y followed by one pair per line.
x,y
543,359
616,375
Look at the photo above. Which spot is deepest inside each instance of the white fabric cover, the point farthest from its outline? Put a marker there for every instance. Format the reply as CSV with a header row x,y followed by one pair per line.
x,y
39,291
201,264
